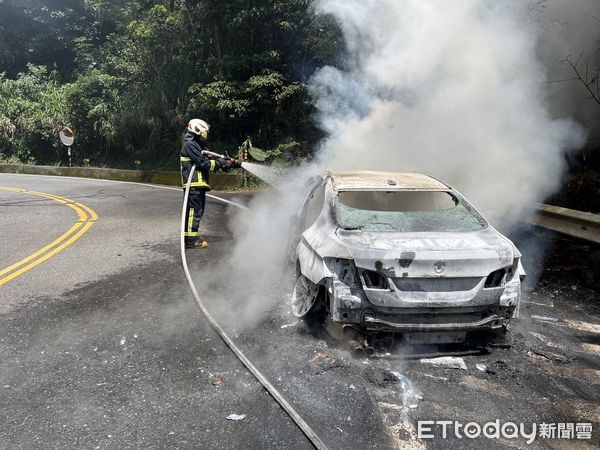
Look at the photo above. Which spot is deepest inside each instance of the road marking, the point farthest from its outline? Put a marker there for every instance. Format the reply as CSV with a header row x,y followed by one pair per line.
x,y
86,216
158,186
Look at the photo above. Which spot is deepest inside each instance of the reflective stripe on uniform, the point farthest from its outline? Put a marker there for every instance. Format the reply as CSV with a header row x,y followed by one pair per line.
x,y
190,219
190,234
200,184
195,184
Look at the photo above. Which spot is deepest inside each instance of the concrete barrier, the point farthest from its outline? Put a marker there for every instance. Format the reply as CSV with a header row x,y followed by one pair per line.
x,y
218,181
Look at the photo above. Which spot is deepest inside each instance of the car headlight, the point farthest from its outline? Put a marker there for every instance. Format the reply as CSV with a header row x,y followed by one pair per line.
x,y
344,269
374,280
512,270
502,276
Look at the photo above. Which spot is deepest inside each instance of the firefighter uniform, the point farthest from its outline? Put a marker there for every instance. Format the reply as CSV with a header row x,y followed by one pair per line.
x,y
191,153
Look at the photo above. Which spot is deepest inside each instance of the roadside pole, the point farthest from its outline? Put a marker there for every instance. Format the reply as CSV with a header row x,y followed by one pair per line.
x,y
67,137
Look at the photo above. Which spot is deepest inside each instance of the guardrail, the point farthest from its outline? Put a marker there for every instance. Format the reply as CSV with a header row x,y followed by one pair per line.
x,y
578,224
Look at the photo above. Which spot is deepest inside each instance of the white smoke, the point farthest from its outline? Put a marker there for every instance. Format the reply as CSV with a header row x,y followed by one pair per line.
x,y
451,89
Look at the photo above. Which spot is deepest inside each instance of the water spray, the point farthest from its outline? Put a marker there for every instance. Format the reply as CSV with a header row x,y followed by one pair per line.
x,y
273,176
314,439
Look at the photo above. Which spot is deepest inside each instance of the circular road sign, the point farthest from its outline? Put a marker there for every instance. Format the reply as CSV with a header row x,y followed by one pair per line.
x,y
67,137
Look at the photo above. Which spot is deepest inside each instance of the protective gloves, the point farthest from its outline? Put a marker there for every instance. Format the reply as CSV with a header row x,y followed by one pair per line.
x,y
229,163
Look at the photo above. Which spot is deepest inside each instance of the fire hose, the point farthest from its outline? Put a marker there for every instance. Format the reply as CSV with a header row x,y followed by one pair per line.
x,y
213,154
291,412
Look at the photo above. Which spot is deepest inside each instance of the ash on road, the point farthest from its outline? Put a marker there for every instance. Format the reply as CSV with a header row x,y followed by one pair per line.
x,y
102,345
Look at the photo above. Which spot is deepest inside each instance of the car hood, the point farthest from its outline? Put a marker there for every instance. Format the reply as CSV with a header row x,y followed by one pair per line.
x,y
428,254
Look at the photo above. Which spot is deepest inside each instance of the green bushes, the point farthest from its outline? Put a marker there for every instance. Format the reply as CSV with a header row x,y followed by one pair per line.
x,y
131,74
32,109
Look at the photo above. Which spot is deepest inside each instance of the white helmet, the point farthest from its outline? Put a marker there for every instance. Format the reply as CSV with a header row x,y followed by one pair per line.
x,y
199,127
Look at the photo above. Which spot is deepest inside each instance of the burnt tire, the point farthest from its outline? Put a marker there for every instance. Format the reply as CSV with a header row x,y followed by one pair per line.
x,y
305,297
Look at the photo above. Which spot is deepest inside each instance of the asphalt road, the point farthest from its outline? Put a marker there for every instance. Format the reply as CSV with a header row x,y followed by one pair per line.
x,y
102,346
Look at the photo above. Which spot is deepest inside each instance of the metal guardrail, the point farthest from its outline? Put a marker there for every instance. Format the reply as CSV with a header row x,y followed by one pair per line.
x,y
578,224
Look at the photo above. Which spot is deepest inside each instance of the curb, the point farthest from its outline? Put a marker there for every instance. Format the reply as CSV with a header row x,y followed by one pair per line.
x,y
218,181
577,224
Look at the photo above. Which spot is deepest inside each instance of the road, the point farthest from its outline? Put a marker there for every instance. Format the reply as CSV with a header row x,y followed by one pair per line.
x,y
103,345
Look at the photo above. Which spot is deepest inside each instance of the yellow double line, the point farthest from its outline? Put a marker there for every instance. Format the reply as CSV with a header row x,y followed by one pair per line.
x,y
86,219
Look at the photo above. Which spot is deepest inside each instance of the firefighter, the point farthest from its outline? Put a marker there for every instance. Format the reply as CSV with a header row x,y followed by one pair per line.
x,y
193,152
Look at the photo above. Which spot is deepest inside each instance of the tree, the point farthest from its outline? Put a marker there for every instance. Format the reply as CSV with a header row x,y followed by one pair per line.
x,y
32,110
132,73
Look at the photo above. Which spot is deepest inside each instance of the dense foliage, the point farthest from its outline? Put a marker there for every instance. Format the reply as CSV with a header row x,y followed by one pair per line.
x,y
128,75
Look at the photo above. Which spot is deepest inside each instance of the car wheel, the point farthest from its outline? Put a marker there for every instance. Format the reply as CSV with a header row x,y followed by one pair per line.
x,y
304,296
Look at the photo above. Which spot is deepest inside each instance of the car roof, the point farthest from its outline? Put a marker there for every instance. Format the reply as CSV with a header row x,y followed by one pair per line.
x,y
388,181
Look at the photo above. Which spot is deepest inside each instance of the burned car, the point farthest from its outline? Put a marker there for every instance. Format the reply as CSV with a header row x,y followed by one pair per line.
x,y
400,252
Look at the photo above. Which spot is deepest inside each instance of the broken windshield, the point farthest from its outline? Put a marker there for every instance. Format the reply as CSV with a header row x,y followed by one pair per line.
x,y
408,211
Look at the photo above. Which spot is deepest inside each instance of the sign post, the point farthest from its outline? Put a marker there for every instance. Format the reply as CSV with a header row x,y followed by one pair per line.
x,y
67,137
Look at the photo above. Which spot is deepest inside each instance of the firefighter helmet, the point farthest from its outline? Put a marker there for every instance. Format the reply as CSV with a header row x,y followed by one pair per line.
x,y
198,127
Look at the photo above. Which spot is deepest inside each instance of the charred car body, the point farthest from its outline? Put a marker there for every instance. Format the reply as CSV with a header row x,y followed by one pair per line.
x,y
400,252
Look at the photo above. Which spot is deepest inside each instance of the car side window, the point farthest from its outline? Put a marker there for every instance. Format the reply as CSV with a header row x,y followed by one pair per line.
x,y
315,205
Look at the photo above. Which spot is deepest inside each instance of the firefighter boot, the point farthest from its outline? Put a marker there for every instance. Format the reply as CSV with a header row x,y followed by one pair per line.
x,y
198,243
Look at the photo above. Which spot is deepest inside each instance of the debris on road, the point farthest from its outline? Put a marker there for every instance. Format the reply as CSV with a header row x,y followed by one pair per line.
x,y
544,339
436,378
537,356
236,417
447,362
543,318
122,341
583,326
498,344
217,381
481,367
288,325
323,362
546,356
390,406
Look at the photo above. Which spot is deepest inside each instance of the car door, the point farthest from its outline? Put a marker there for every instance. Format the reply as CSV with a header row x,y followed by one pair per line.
x,y
298,222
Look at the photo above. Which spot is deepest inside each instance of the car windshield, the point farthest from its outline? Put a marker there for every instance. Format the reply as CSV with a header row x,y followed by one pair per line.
x,y
380,211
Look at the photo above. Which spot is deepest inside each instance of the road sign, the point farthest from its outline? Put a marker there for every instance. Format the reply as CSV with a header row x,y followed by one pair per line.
x,y
66,135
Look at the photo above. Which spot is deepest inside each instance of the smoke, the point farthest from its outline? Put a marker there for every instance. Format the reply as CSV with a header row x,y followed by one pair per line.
x,y
451,89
